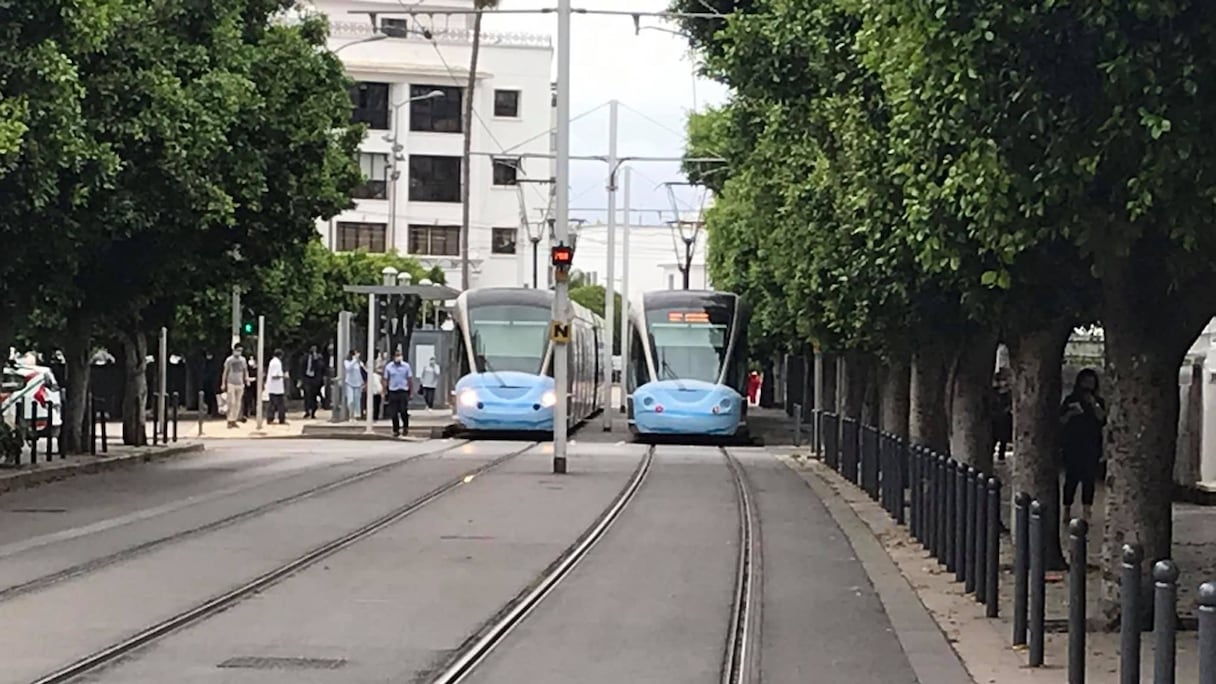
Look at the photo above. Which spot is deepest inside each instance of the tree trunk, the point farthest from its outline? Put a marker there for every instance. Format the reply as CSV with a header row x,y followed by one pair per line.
x,y
869,391
76,357
1035,357
830,403
768,382
970,404
927,416
466,165
896,388
853,390
1148,331
135,389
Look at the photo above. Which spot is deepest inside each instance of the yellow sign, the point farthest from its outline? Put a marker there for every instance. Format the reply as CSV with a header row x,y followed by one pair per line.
x,y
559,332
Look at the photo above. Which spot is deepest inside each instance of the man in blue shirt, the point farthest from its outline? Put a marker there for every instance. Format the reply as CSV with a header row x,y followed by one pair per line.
x,y
397,379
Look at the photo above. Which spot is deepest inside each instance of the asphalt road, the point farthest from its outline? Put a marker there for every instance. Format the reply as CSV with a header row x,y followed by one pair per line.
x,y
89,561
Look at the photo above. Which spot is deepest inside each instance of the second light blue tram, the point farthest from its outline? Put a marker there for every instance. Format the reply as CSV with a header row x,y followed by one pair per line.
x,y
504,359
688,364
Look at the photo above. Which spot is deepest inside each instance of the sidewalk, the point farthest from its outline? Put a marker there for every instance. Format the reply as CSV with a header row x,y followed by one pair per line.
x,y
117,456
423,424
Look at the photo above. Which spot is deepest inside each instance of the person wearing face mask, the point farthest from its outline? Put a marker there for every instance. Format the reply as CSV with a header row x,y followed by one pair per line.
x,y
236,378
430,380
1083,416
397,379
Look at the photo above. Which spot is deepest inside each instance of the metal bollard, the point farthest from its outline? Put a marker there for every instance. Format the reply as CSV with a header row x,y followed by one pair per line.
x,y
1077,531
971,552
1021,565
981,538
33,432
797,425
155,419
18,424
1129,615
993,566
202,411
1165,621
960,524
914,493
939,503
943,520
1038,585
1207,633
105,419
952,509
930,523
92,409
50,430
176,400
901,478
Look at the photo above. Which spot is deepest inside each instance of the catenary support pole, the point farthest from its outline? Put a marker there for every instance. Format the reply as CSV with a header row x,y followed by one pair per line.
x,y
370,362
610,282
561,370
261,379
236,315
625,336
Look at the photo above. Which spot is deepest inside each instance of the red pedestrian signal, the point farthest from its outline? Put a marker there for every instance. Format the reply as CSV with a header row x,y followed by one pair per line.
x,y
563,256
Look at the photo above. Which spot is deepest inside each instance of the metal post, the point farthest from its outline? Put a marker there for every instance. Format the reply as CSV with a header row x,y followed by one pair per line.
x,y
943,523
561,371
162,384
370,362
261,379
1038,584
626,338
797,425
953,509
236,315
981,537
174,416
33,431
1165,621
202,402
993,565
1129,615
901,454
1207,633
960,524
50,430
1021,565
105,440
92,409
971,550
933,503
1077,530
610,283
338,400
913,485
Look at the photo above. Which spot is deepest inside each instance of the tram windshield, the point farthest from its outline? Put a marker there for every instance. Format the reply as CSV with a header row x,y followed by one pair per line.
x,y
509,337
688,345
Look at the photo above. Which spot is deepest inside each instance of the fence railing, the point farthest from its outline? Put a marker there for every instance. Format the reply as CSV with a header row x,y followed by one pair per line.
x,y
46,442
954,511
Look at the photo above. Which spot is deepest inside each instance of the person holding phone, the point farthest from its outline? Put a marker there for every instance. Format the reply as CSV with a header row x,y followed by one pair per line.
x,y
1083,416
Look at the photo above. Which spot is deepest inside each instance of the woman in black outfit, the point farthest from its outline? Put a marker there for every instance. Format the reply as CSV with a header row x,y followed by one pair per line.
x,y
1083,415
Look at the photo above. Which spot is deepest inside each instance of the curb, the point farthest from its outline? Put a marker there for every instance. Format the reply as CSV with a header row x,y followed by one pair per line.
x,y
43,474
925,644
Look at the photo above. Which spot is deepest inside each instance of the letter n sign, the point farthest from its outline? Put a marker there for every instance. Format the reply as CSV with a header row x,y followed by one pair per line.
x,y
559,332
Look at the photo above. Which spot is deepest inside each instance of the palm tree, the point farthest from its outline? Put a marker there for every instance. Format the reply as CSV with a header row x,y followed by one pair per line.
x,y
465,170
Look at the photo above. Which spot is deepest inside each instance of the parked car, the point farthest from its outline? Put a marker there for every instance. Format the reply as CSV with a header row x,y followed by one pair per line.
x,y
36,391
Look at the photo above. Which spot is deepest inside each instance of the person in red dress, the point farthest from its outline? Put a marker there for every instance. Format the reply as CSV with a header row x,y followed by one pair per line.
x,y
753,387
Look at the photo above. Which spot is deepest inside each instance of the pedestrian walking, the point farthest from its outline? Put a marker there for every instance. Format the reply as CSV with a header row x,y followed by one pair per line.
x,y
249,408
753,388
430,380
313,373
1083,415
353,382
276,388
212,384
236,379
397,379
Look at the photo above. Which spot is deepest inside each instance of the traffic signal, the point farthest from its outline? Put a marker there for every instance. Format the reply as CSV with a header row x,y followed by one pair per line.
x,y
247,327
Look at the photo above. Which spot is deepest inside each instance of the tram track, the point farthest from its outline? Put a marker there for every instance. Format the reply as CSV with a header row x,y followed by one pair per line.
x,y
201,611
13,591
740,663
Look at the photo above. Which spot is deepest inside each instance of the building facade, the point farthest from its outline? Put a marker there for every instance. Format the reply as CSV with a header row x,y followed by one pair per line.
x,y
410,74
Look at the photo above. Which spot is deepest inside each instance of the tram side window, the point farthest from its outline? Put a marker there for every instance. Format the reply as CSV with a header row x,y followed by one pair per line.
x,y
461,359
637,364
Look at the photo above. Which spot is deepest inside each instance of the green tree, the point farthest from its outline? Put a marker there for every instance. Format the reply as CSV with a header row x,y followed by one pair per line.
x,y
592,297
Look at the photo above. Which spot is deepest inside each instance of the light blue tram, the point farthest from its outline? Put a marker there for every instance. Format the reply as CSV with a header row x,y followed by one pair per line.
x,y
688,364
504,359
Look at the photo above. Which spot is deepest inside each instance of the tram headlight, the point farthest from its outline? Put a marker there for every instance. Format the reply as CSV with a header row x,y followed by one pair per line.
x,y
468,399
548,399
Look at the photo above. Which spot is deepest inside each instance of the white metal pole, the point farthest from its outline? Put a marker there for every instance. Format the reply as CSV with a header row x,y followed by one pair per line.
x,y
610,282
562,291
162,383
261,379
236,315
625,336
370,362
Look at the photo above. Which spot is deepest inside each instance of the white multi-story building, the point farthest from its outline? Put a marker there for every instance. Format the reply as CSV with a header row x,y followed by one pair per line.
x,y
410,75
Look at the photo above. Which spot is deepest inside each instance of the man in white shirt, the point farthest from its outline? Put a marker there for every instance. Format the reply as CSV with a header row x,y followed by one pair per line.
x,y
276,387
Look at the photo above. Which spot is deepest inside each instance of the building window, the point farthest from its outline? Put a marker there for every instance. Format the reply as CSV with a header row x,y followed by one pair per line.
x,y
375,173
434,179
436,114
502,240
506,171
395,28
506,103
369,237
370,104
435,240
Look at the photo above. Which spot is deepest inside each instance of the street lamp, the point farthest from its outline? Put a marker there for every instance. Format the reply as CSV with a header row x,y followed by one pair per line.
x,y
397,157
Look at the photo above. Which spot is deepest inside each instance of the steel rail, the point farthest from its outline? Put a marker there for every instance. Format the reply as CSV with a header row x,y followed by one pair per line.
x,y
230,598
736,661
492,633
94,564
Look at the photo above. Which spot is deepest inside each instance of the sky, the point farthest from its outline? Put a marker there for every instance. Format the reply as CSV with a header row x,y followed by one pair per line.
x,y
651,74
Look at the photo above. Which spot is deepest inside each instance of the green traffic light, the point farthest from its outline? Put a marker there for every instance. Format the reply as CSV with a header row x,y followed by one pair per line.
x,y
248,328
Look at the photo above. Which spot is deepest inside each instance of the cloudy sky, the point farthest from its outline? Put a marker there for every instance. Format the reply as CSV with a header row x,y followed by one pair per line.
x,y
651,73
